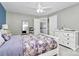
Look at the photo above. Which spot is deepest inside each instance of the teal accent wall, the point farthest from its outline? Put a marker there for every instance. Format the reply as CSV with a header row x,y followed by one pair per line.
x,y
2,15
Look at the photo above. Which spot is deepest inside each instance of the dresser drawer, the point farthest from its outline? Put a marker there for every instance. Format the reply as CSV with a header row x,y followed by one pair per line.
x,y
68,34
70,39
70,44
67,41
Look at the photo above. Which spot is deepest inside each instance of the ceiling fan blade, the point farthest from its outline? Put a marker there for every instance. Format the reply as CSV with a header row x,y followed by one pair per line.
x,y
46,7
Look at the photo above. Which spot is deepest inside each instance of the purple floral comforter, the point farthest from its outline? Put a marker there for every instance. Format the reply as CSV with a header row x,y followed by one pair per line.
x,y
35,45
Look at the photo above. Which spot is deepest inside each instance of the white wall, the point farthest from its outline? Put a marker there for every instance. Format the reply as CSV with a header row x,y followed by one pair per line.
x,y
14,21
69,18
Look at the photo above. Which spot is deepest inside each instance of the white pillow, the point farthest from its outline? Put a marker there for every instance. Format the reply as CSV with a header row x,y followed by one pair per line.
x,y
1,40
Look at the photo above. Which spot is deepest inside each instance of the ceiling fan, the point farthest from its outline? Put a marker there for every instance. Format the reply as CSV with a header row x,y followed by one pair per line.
x,y
40,8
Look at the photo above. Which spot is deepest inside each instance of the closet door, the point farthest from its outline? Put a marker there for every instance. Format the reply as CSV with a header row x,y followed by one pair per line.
x,y
44,25
36,26
52,24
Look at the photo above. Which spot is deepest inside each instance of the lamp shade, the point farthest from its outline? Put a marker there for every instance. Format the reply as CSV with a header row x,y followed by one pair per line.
x,y
4,26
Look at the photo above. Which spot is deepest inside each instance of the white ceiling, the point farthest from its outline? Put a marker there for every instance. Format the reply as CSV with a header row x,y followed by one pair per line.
x,y
30,7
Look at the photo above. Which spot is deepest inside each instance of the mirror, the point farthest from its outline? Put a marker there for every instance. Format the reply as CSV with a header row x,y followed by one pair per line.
x,y
44,26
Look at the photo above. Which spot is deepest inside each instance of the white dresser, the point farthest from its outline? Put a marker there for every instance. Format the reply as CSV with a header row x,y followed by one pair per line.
x,y
68,38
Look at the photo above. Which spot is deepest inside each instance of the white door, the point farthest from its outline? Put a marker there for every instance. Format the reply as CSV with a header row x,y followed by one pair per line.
x,y
36,26
52,24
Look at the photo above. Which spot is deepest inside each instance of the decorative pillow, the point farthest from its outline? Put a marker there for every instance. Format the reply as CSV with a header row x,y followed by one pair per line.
x,y
1,40
6,37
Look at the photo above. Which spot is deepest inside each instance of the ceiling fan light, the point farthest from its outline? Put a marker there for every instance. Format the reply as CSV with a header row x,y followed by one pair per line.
x,y
38,11
41,10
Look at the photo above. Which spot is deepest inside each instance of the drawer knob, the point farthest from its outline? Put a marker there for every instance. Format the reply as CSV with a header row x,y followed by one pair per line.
x,y
67,38
67,43
67,34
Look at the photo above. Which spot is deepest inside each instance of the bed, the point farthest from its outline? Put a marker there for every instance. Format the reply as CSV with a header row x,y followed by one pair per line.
x,y
15,47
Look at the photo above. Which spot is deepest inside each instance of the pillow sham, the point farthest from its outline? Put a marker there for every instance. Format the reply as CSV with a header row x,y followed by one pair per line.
x,y
6,37
1,40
